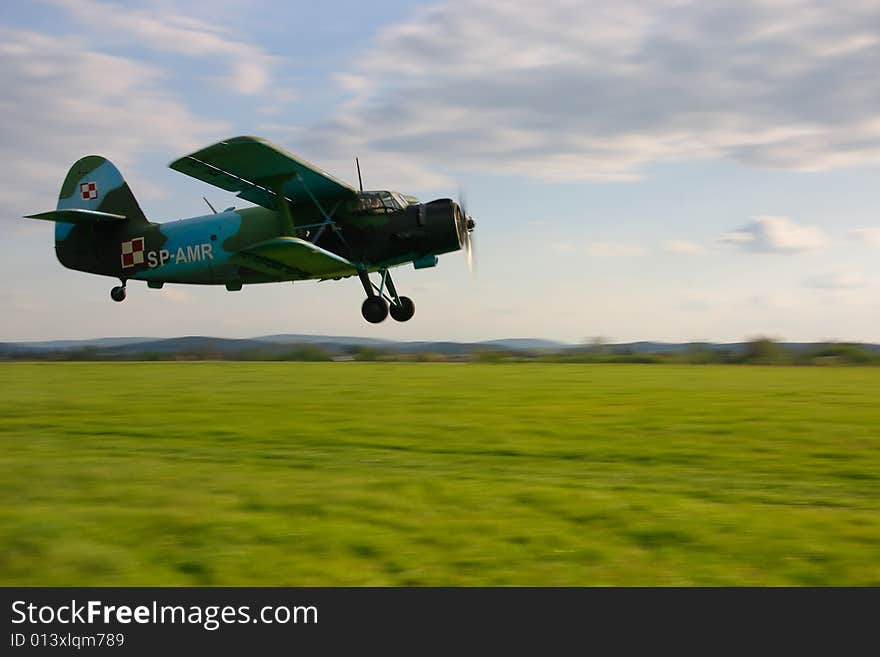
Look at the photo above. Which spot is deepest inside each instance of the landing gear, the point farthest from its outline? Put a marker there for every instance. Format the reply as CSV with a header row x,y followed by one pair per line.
x,y
374,309
377,306
118,292
403,310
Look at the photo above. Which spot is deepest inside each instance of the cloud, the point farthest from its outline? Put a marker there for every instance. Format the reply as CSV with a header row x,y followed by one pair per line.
x,y
248,66
599,249
697,303
63,107
176,295
683,246
598,90
773,301
840,279
614,250
775,235
866,236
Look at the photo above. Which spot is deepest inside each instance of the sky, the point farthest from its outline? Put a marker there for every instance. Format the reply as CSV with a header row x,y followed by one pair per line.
x,y
638,170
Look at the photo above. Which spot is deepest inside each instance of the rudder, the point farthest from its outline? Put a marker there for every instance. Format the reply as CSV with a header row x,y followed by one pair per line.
x,y
94,183
96,212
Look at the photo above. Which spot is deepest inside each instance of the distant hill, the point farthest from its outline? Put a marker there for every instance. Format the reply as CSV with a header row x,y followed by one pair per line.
x,y
284,344
270,343
188,344
295,338
526,344
53,345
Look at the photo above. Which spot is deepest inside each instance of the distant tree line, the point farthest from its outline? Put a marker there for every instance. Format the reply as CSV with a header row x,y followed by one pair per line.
x,y
759,351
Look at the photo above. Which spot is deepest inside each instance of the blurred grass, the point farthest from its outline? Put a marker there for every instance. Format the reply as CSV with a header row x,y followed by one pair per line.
x,y
438,474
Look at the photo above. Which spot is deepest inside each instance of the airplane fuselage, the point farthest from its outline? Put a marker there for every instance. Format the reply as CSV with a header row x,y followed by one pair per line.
x,y
201,250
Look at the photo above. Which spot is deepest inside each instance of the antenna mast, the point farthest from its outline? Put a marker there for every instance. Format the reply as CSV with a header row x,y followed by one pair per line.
x,y
360,182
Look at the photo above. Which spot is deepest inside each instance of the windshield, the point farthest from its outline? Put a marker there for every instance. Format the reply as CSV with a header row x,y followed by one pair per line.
x,y
380,202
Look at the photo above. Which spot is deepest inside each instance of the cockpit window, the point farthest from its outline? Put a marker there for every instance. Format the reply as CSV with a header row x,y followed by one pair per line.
x,y
379,202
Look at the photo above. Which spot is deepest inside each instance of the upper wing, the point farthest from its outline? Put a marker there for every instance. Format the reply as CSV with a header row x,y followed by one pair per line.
x,y
259,171
290,256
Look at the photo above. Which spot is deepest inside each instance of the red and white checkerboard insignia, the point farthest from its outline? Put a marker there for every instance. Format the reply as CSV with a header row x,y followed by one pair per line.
x,y
88,191
133,253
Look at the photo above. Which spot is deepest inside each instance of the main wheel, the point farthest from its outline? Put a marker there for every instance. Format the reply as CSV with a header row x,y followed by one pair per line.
x,y
405,311
118,293
375,309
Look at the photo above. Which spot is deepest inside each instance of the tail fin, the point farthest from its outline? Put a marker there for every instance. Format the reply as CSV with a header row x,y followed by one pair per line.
x,y
94,184
94,208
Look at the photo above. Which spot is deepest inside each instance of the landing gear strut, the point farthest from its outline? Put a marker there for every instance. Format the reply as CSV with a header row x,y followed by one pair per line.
x,y
118,292
376,307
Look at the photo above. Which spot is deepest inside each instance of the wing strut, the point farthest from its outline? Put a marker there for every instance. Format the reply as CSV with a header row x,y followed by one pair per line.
x,y
328,216
287,225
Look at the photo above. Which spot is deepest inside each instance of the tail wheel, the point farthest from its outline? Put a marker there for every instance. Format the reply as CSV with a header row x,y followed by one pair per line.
x,y
403,311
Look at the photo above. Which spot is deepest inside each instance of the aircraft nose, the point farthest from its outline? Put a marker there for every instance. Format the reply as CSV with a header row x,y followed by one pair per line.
x,y
465,225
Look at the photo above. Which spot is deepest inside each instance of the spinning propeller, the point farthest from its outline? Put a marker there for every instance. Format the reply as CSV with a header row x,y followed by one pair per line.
x,y
466,224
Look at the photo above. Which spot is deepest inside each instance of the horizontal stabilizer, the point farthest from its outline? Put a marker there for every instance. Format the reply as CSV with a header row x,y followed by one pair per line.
x,y
77,216
283,256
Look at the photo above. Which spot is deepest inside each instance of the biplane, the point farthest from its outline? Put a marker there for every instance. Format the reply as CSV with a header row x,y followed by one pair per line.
x,y
306,224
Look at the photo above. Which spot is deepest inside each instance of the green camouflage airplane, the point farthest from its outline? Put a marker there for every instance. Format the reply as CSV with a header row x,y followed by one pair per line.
x,y
308,225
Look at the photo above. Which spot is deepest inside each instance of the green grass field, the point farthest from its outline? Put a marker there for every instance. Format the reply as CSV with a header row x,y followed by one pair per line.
x,y
438,474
